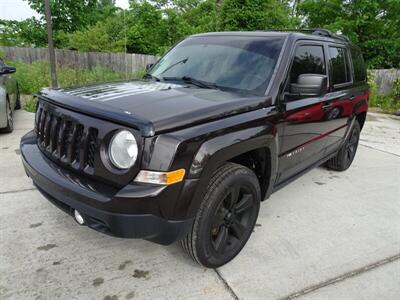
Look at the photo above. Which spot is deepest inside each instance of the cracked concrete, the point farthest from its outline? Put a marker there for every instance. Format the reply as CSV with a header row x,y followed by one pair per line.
x,y
328,235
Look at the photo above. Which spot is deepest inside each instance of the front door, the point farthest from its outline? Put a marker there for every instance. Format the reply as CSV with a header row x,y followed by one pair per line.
x,y
305,117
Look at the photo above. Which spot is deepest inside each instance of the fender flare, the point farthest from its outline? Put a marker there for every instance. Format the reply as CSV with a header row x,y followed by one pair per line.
x,y
214,152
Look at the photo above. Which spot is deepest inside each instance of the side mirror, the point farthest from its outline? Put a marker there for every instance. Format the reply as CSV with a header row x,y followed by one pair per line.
x,y
8,70
309,85
149,66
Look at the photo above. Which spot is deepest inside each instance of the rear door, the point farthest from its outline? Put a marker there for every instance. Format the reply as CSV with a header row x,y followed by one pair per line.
x,y
339,100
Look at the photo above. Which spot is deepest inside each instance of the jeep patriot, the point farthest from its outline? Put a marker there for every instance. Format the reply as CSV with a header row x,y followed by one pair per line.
x,y
188,152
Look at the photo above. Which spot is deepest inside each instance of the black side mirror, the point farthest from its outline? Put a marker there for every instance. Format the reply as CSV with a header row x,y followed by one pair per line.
x,y
309,85
149,66
8,70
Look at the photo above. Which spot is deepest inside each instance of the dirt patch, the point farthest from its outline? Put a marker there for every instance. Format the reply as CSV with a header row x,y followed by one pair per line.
x,y
140,274
46,247
124,264
98,281
34,225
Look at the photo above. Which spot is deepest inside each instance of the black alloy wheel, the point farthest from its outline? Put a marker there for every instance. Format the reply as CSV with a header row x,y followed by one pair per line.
x,y
344,158
232,219
226,217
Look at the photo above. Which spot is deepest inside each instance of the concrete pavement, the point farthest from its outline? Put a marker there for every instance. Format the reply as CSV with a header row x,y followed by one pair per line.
x,y
328,235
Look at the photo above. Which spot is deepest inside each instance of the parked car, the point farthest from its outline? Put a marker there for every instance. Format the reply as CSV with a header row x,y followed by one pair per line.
x,y
9,97
217,125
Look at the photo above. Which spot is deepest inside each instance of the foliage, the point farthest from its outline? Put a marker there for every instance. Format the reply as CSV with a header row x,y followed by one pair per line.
x,y
152,26
72,15
254,15
373,25
32,77
30,104
396,89
27,33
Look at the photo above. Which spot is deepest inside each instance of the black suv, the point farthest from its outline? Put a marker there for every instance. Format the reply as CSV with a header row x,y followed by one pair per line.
x,y
216,125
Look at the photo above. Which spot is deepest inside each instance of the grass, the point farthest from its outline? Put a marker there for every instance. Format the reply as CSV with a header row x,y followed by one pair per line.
x,y
32,77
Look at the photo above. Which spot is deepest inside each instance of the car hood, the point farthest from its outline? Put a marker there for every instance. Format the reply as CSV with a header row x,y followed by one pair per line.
x,y
153,107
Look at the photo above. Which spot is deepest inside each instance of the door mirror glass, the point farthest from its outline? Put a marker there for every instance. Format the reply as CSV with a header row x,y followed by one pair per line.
x,y
309,85
149,66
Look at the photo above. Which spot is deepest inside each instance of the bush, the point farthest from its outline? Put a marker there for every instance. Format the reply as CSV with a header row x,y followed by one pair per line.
x,y
30,104
32,77
396,89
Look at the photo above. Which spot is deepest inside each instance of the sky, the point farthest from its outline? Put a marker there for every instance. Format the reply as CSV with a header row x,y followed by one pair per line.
x,y
20,10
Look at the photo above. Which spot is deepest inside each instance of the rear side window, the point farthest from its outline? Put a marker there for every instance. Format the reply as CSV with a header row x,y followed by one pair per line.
x,y
308,59
360,73
339,61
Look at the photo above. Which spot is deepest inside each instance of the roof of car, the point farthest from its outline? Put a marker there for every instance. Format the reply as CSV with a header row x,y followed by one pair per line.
x,y
312,34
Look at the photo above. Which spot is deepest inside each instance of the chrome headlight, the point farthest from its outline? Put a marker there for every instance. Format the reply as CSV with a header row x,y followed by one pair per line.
x,y
123,150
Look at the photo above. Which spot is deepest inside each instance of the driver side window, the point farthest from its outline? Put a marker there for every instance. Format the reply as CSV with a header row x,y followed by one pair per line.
x,y
308,59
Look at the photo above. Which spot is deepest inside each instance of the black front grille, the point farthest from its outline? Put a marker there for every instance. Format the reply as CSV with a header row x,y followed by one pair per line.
x,y
66,140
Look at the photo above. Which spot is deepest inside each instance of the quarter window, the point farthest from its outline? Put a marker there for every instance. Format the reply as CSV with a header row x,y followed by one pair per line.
x,y
339,62
308,59
360,73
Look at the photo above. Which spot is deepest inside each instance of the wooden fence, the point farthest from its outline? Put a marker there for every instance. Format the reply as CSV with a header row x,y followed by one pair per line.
x,y
119,62
385,78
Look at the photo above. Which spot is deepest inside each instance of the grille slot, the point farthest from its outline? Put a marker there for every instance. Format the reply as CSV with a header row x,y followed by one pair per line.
x,y
65,140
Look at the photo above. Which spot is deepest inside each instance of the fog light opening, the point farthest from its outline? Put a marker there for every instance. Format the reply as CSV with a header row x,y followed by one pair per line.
x,y
78,217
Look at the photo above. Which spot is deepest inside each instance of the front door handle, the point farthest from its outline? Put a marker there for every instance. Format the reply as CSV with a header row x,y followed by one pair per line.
x,y
327,105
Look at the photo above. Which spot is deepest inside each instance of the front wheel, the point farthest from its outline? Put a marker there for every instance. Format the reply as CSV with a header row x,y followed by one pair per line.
x,y
346,154
226,217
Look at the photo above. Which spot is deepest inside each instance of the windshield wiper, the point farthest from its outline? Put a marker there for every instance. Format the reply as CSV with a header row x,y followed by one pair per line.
x,y
196,82
182,61
149,76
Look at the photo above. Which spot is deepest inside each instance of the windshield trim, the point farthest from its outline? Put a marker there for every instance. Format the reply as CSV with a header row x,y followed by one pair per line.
x,y
277,66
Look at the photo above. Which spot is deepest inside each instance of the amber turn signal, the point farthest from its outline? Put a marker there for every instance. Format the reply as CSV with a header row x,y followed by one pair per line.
x,y
163,178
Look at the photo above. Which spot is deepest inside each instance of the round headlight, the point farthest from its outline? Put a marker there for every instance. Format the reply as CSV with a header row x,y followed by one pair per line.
x,y
123,150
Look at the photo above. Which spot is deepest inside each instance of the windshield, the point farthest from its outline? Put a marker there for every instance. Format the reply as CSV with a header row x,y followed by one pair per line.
x,y
232,62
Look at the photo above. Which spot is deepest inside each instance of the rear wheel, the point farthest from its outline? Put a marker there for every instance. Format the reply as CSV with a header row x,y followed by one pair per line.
x,y
346,154
10,121
226,217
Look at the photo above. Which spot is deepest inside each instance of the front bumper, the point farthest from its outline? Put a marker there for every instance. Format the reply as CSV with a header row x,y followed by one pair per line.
x,y
134,211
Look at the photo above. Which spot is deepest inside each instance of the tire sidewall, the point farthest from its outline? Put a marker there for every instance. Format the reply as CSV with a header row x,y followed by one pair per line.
x,y
347,162
205,249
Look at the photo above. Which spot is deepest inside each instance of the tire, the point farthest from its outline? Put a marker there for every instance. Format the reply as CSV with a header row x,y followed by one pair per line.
x,y
18,101
343,159
10,121
226,217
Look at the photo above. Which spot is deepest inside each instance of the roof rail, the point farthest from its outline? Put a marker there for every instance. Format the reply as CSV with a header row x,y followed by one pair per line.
x,y
317,31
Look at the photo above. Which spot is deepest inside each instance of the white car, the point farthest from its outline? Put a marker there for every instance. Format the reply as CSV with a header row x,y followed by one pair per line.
x,y
9,97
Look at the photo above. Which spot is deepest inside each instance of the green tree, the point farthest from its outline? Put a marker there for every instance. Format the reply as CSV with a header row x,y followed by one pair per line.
x,y
255,15
71,15
26,33
371,24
